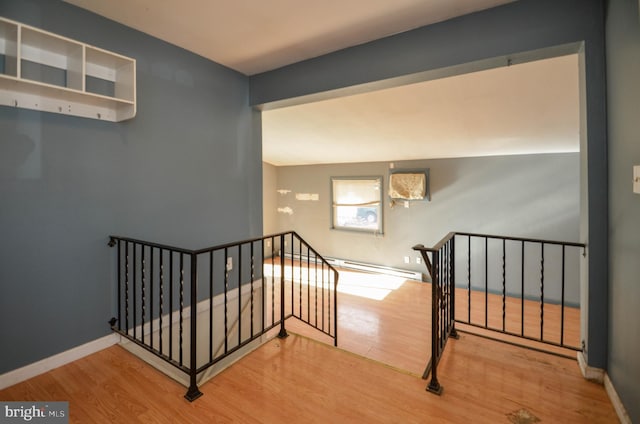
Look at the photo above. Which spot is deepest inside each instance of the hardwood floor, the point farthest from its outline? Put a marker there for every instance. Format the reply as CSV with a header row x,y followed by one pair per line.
x,y
382,318
299,380
388,319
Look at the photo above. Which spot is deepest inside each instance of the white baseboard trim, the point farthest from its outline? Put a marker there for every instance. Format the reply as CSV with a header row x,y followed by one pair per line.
x,y
600,376
590,373
380,269
623,416
29,371
32,370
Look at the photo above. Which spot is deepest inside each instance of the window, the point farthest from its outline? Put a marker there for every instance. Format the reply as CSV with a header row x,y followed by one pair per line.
x,y
357,203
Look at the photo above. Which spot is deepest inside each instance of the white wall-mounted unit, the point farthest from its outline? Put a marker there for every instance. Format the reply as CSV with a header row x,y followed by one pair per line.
x,y
44,71
409,184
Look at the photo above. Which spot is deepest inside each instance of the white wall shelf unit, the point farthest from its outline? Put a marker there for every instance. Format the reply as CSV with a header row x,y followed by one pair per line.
x,y
44,71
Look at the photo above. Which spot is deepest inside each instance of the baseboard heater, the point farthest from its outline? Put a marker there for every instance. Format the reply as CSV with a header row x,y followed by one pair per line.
x,y
362,266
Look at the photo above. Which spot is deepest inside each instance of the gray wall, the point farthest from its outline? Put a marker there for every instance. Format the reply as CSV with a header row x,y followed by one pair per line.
x,y
533,196
269,198
623,69
519,31
186,171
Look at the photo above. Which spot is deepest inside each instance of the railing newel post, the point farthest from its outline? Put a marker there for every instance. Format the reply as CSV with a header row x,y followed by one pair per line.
x,y
434,386
452,288
193,392
441,267
283,332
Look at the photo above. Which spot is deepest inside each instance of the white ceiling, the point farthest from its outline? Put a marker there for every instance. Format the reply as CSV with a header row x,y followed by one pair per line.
x,y
522,109
526,108
253,36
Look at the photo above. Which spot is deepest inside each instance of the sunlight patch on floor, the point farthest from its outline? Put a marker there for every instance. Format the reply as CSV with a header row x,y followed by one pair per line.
x,y
355,283
370,286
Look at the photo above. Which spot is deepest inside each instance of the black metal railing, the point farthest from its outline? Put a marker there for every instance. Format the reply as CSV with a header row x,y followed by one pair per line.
x,y
193,308
520,287
524,287
441,267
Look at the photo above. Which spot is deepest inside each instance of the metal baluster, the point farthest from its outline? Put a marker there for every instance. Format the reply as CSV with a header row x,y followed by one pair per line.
x,y
151,298
170,304
522,289
143,272
541,291
226,305
486,282
322,291
452,288
253,277
335,308
119,286
504,284
315,283
469,279
263,289
308,284
300,286
273,281
445,297
211,305
181,302
161,258
239,294
300,283
562,301
135,303
126,280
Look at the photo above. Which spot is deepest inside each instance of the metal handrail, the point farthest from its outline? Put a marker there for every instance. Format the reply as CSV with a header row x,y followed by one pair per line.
x,y
523,239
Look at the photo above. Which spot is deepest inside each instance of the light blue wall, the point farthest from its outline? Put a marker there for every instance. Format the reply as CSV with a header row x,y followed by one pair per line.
x,y
623,92
269,199
522,30
185,171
